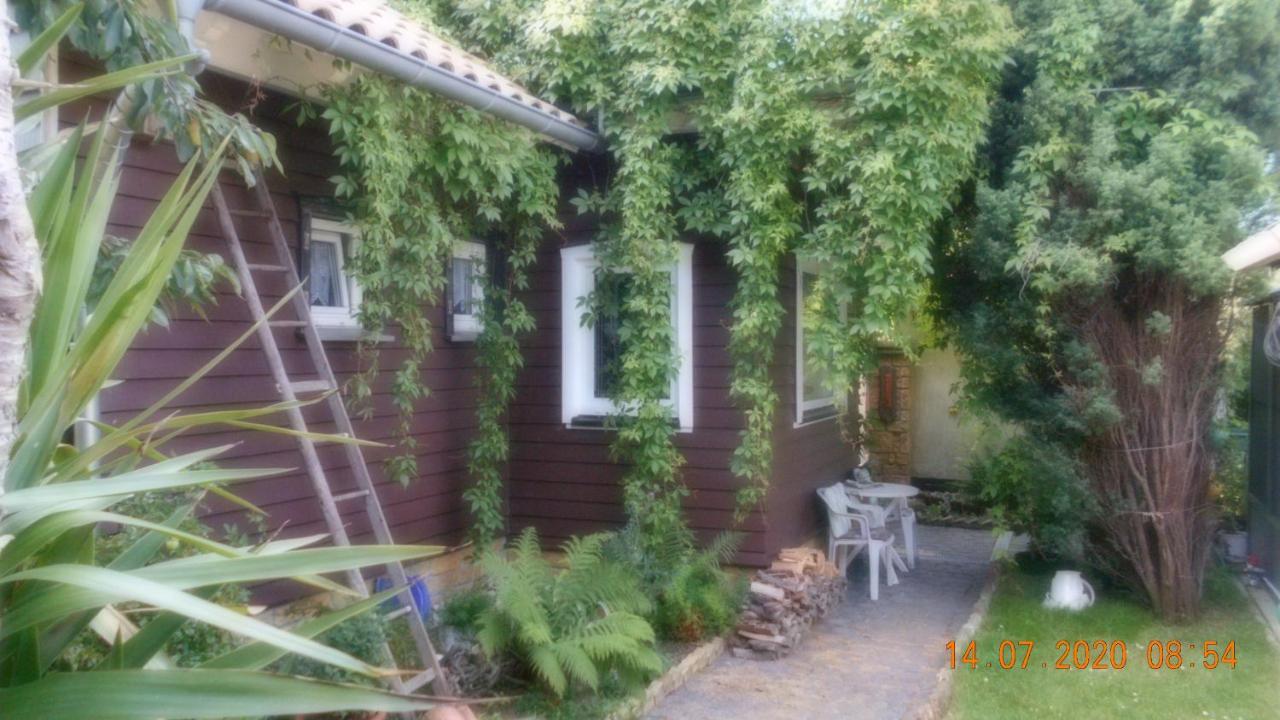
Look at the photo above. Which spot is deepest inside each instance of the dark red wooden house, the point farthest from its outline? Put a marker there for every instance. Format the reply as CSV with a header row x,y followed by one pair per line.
x,y
560,478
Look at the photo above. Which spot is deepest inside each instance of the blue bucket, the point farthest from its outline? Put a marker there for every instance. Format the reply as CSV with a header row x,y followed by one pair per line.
x,y
417,588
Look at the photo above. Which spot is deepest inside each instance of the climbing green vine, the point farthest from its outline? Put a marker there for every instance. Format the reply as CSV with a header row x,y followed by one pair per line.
x,y
419,173
838,131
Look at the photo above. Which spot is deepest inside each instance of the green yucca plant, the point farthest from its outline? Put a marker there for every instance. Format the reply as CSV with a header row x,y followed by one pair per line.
x,y
53,496
569,624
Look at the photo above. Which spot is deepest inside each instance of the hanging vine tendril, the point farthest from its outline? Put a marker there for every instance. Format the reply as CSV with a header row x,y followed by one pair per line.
x,y
835,130
420,173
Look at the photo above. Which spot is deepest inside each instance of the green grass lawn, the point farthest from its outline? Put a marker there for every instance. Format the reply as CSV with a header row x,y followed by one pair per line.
x,y
1250,690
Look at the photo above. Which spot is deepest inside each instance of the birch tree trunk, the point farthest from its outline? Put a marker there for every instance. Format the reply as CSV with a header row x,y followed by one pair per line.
x,y
19,257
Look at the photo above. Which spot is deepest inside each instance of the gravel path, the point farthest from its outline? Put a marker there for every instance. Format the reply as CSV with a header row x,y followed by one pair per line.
x,y
869,660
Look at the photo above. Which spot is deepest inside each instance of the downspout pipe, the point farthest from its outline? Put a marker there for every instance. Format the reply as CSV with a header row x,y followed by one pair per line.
x,y
314,32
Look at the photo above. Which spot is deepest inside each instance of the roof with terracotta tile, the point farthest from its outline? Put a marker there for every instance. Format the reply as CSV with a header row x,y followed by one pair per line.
x,y
380,22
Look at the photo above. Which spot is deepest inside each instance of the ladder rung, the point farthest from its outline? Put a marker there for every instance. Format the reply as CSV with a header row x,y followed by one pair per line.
x,y
288,323
398,612
350,496
267,268
310,386
250,213
418,680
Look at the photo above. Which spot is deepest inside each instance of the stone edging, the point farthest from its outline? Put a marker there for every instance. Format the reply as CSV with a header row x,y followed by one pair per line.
x,y
939,701
1258,599
671,680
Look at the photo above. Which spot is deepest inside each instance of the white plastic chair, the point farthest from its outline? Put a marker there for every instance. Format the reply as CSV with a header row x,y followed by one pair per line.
x,y
853,526
900,511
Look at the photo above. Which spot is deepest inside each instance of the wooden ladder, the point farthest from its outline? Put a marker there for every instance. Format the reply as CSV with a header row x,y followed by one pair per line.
x,y
330,503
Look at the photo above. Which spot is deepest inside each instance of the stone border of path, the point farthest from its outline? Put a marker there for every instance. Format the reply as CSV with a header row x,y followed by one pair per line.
x,y
1264,609
939,702
672,680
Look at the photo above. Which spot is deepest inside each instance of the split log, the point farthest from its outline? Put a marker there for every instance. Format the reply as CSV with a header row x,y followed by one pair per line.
x,y
784,601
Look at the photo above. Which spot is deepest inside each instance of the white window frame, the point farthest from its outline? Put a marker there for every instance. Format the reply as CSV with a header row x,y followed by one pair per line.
x,y
332,232
578,266
464,327
805,407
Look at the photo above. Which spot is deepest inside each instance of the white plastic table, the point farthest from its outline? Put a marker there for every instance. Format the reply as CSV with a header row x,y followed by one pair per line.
x,y
895,495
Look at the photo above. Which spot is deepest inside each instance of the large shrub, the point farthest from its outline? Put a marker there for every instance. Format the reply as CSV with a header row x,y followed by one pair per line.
x,y
1081,279
1035,487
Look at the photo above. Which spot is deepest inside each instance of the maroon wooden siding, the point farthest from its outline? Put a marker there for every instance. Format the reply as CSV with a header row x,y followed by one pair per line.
x,y
431,508
562,480
805,457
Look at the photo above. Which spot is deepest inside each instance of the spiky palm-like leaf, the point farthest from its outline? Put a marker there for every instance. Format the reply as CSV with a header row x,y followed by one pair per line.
x,y
52,584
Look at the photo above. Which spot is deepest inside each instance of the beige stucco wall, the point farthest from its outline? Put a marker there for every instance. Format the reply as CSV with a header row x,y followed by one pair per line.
x,y
942,437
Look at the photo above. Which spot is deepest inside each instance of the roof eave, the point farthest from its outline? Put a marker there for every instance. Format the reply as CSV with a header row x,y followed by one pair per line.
x,y
317,33
1259,249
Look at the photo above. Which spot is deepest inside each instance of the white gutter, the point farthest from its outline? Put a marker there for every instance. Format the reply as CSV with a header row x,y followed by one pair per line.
x,y
314,32
1260,248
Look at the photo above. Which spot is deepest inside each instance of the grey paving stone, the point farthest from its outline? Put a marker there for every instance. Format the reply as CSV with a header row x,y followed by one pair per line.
x,y
872,661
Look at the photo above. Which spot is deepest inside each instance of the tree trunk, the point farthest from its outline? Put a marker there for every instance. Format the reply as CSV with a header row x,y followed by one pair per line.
x,y
19,259
1151,470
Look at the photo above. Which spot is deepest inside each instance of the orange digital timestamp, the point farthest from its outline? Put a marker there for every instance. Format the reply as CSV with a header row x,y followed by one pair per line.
x,y
1097,655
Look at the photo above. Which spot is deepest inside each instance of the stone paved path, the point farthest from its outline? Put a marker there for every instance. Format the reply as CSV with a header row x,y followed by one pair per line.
x,y
871,661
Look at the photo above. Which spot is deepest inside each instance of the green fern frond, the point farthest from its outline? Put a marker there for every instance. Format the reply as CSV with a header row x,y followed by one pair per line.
x,y
571,624
577,663
722,549
546,665
494,633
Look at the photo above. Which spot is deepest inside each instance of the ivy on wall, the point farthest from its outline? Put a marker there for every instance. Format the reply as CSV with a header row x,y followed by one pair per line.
x,y
419,173
839,131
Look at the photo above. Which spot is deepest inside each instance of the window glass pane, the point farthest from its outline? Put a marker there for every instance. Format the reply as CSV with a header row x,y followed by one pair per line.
x,y
816,384
611,295
326,278
462,292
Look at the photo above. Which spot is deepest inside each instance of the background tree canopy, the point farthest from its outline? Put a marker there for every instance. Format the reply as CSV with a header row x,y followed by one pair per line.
x,y
1081,280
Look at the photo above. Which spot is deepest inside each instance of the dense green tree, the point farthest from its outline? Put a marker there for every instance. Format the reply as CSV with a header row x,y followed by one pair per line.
x,y
1082,281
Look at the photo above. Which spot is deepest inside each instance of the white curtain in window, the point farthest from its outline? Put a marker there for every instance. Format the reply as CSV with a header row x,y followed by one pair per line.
x,y
326,277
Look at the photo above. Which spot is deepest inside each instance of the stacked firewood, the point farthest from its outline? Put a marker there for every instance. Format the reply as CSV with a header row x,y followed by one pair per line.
x,y
797,590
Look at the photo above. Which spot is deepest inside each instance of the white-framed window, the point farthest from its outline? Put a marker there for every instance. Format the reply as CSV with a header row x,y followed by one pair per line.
x,y
815,398
466,290
335,294
590,352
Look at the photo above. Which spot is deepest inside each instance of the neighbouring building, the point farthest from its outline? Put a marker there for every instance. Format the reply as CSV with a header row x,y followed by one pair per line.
x,y
1263,485
915,430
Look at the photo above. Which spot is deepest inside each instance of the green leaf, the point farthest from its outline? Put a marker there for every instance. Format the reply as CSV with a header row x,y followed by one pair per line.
x,y
101,84
167,475
110,586
150,694
46,40
256,656
205,570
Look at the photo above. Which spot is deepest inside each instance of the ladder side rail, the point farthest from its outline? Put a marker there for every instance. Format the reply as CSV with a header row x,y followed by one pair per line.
x,y
355,457
310,457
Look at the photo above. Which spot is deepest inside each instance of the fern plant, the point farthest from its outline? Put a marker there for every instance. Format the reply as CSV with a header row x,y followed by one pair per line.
x,y
699,599
696,597
568,625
